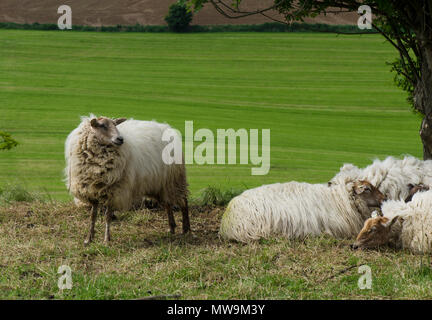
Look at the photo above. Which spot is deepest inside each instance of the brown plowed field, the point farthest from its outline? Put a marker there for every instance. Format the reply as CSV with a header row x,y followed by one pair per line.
x,y
130,12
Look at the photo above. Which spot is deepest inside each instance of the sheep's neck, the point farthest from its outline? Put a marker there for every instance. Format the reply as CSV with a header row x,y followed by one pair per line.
x,y
100,170
361,207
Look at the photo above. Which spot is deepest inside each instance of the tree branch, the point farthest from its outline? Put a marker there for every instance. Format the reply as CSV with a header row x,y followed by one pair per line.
x,y
241,14
403,51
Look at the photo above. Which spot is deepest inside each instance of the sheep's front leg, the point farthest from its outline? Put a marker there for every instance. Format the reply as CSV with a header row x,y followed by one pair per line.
x,y
171,220
108,218
185,212
92,224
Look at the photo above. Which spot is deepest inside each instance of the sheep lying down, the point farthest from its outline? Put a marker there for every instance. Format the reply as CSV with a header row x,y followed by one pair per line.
x,y
392,176
295,210
403,224
113,164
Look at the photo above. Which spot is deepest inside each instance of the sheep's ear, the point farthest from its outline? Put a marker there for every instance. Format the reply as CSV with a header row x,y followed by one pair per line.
x,y
359,188
94,123
392,221
119,120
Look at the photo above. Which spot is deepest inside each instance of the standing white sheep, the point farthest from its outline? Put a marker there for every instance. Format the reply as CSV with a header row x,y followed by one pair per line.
x,y
392,176
403,225
295,210
114,164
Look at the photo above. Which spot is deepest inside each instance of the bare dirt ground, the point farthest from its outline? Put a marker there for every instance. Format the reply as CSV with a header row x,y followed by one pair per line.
x,y
130,12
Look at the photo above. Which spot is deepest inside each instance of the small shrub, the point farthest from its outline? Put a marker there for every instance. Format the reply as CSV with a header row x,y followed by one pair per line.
x,y
179,17
215,196
6,141
17,193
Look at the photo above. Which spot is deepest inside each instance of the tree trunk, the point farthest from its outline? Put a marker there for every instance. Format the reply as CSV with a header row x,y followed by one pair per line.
x,y
423,98
426,136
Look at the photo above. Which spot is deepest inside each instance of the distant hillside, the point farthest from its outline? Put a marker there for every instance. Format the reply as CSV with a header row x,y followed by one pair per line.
x,y
130,12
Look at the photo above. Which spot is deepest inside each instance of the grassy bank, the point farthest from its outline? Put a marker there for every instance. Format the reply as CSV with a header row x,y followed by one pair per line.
x,y
145,260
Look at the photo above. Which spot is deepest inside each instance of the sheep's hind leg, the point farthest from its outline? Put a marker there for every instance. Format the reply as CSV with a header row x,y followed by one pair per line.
x,y
171,220
92,224
108,218
185,212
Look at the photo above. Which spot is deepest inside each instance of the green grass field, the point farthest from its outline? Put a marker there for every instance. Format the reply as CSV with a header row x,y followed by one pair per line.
x,y
327,99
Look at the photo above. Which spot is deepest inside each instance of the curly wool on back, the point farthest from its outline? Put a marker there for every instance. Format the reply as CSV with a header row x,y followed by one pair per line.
x,y
294,210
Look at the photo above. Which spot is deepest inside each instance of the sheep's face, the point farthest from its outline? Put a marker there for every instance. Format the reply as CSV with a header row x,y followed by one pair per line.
x,y
372,197
375,233
413,189
106,132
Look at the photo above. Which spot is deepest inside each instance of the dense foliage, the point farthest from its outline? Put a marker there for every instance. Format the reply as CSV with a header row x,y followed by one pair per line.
x,y
179,17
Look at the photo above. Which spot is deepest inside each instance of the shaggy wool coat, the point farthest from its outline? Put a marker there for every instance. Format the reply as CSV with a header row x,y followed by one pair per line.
x,y
120,177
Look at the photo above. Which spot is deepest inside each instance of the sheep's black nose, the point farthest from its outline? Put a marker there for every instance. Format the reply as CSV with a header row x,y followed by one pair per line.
x,y
354,246
119,140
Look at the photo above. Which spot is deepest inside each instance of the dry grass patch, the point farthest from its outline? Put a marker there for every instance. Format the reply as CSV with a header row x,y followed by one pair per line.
x,y
144,259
